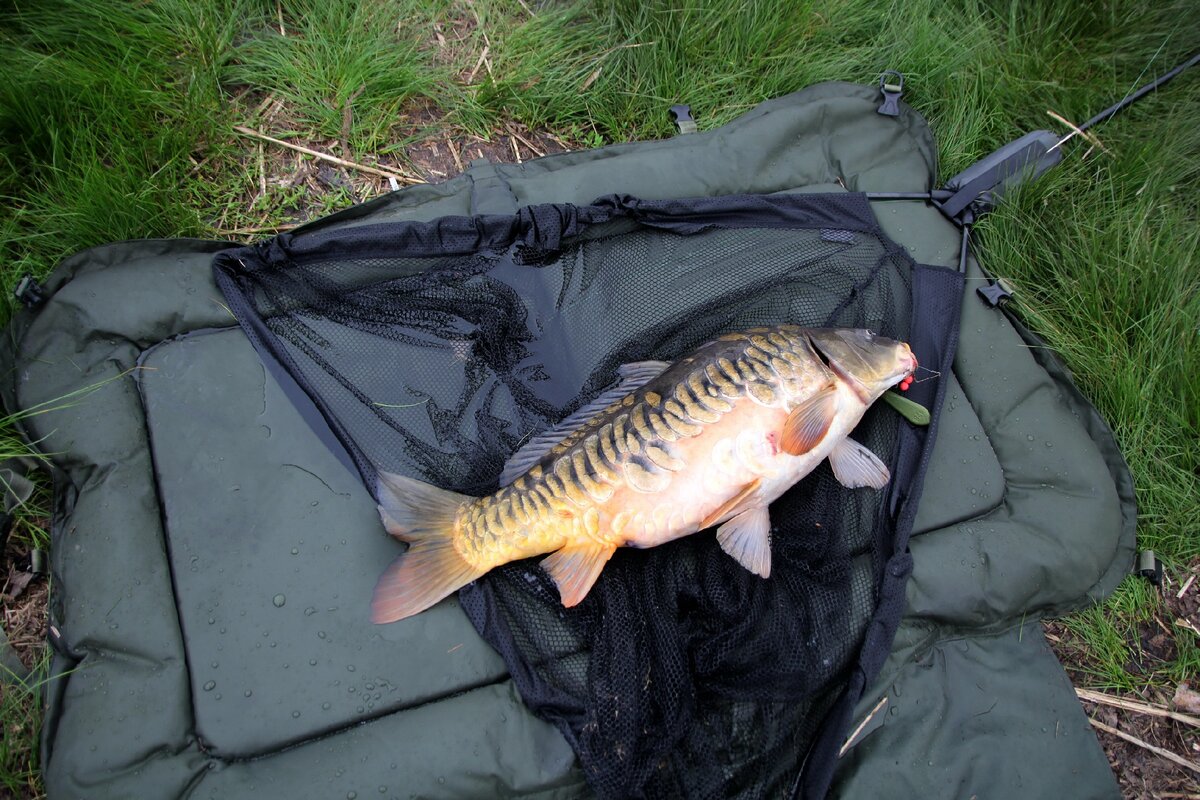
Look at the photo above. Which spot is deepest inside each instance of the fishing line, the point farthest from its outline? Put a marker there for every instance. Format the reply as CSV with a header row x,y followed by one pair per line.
x,y
1133,97
933,373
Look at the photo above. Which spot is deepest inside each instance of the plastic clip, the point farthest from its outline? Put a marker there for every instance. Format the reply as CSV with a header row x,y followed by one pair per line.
x,y
996,293
1149,567
891,90
681,115
30,292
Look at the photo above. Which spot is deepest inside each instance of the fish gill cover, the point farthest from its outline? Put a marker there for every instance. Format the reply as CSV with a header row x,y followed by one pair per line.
x,y
435,349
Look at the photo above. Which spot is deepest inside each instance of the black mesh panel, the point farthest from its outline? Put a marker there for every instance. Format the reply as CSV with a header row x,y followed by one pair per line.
x,y
434,349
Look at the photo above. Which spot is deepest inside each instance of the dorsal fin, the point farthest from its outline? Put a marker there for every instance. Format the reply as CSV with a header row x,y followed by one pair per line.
x,y
636,373
632,376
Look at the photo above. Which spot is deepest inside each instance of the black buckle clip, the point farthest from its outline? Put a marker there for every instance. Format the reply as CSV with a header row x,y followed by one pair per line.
x,y
681,115
890,107
996,293
30,292
34,561
1150,567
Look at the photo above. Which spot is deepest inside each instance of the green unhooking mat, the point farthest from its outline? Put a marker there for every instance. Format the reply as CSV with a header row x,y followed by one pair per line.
x,y
215,548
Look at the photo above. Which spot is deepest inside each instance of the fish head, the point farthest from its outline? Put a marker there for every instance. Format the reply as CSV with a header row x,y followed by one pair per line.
x,y
869,363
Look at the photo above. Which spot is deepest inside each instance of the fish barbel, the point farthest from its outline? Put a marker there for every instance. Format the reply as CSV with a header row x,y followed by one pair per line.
x,y
669,450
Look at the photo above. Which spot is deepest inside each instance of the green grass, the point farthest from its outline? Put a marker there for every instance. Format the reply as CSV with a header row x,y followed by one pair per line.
x,y
974,68
330,59
116,121
20,712
103,108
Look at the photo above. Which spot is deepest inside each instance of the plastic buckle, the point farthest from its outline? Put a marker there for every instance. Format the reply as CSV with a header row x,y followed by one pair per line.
x,y
891,90
30,292
1149,567
996,293
681,115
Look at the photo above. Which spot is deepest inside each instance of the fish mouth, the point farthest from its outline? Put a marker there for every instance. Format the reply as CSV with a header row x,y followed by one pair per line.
x,y
906,366
912,357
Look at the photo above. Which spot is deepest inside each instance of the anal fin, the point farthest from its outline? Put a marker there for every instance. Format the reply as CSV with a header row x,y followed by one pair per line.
x,y
575,569
747,537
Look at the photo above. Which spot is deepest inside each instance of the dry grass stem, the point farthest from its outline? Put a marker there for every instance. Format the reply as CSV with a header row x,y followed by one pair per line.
x,y
512,131
1075,131
874,713
262,172
478,63
1135,706
591,79
1158,751
384,173
260,229
454,152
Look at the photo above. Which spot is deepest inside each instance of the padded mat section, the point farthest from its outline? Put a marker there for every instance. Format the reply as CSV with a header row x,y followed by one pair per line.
x,y
1056,529
965,479
480,744
273,560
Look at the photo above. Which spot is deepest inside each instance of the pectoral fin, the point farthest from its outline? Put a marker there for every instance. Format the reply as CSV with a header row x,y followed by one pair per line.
x,y
747,537
575,569
808,423
855,466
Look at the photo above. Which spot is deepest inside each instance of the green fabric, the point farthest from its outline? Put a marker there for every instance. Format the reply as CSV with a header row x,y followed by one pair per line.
x,y
15,489
12,671
978,715
1055,502
195,508
269,580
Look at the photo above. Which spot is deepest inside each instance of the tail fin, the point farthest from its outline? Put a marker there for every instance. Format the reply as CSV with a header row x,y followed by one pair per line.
x,y
431,568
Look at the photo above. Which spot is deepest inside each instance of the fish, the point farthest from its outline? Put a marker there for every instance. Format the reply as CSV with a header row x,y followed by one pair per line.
x,y
669,450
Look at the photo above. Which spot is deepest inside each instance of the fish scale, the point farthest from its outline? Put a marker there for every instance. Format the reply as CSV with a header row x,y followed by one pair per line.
x,y
647,459
721,432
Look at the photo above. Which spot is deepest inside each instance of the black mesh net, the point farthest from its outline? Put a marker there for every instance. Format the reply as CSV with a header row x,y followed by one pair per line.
x,y
435,349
